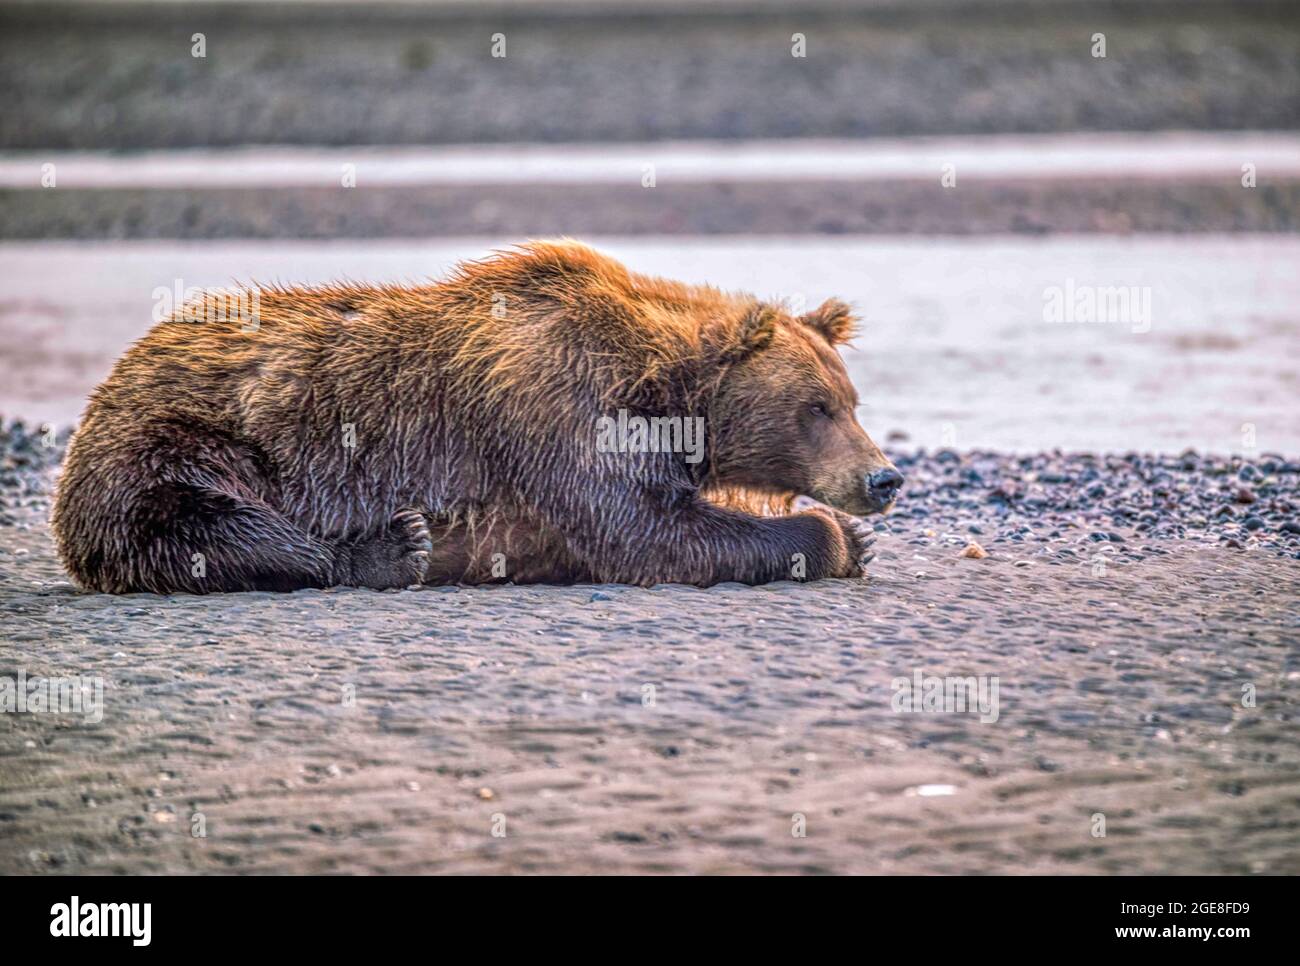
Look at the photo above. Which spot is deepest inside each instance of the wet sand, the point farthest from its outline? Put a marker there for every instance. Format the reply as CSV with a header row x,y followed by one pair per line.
x,y
523,711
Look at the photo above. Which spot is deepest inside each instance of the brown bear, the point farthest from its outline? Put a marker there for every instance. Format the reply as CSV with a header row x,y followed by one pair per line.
x,y
387,436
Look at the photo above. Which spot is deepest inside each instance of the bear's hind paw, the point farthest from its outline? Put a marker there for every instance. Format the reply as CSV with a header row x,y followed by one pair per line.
x,y
396,557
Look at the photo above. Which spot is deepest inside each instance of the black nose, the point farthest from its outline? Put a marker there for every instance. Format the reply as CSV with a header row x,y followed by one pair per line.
x,y
885,484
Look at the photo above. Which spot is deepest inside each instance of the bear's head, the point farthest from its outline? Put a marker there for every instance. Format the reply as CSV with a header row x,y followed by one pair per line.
x,y
781,419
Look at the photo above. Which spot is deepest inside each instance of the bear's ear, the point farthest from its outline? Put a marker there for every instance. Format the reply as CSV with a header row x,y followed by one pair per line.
x,y
754,331
833,319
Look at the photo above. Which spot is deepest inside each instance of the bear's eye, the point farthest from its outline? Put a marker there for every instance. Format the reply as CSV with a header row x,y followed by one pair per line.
x,y
820,409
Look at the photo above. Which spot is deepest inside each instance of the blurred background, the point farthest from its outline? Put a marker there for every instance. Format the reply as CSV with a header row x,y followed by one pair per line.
x,y
949,166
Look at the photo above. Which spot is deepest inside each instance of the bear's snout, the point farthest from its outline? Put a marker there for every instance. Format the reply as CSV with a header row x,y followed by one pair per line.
x,y
864,493
882,488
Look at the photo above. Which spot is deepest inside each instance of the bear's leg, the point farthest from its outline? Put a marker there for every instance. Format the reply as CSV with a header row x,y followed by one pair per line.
x,y
205,541
700,543
185,509
201,540
483,547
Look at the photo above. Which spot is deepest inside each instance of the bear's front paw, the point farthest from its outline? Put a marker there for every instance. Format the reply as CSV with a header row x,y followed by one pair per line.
x,y
856,538
859,537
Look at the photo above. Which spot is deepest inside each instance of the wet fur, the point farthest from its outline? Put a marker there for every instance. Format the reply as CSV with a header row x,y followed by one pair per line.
x,y
474,403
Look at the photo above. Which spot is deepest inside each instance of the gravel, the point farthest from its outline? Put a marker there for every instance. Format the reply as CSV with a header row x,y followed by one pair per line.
x,y
1062,503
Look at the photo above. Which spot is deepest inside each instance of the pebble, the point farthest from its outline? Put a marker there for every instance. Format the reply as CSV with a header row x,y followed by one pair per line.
x,y
932,791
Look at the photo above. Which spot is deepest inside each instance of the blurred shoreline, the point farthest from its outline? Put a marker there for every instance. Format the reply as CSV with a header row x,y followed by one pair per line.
x,y
1007,184
788,209
1166,155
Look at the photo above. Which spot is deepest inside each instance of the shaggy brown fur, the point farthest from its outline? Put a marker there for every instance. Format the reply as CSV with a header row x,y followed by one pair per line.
x,y
214,458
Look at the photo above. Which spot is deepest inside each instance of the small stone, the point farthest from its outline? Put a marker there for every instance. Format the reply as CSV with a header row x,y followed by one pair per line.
x,y
974,551
932,791
1244,495
1254,523
486,794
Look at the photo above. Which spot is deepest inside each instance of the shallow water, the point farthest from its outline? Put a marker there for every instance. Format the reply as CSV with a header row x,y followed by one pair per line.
x,y
954,349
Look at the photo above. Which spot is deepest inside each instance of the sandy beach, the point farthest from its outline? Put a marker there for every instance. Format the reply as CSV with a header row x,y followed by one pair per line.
x,y
677,730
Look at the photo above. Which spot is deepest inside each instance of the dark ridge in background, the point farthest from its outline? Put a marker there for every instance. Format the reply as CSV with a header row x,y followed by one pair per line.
x,y
120,75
